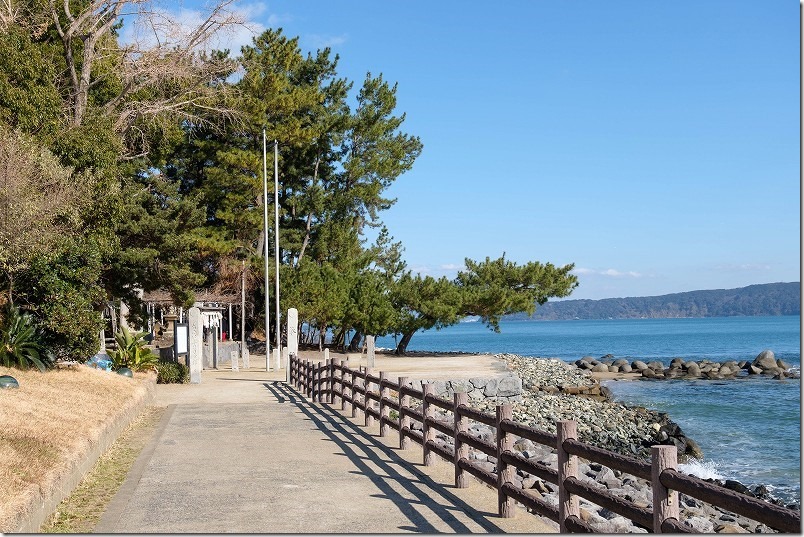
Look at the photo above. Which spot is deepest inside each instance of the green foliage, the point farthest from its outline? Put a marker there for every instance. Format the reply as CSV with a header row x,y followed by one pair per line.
x,y
131,351
28,93
493,288
172,373
62,291
20,343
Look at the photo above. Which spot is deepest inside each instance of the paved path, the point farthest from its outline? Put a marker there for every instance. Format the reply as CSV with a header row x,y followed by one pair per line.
x,y
242,452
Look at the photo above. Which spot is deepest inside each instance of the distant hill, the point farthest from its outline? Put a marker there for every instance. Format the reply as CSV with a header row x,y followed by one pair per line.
x,y
762,300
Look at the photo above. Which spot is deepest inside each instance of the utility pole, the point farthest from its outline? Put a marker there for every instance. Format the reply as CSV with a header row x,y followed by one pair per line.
x,y
243,304
276,249
265,244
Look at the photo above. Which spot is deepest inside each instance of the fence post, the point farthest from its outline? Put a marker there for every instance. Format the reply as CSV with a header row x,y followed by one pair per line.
x,y
366,401
567,467
310,379
383,406
330,379
319,385
305,375
461,449
665,501
292,364
354,393
427,432
343,387
505,472
404,419
313,379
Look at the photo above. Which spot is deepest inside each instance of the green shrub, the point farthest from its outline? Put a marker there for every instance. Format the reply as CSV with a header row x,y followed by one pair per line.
x,y
131,351
172,373
21,343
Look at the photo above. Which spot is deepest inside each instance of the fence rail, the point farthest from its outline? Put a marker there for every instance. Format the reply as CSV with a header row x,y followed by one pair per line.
x,y
334,382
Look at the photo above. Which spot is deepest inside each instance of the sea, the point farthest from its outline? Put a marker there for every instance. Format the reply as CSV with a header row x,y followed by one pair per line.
x,y
749,429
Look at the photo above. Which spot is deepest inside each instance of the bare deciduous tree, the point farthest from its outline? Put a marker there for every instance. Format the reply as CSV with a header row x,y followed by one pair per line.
x,y
165,69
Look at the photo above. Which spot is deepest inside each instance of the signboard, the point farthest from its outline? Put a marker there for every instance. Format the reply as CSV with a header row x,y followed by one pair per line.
x,y
181,339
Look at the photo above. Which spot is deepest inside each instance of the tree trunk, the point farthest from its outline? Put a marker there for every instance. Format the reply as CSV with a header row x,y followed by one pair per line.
x,y
321,337
402,347
354,345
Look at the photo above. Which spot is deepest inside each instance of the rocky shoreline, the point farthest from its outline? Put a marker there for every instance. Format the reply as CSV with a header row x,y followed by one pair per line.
x,y
554,390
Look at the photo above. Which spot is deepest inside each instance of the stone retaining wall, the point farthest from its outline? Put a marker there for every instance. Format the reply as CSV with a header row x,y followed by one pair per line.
x,y
46,502
503,389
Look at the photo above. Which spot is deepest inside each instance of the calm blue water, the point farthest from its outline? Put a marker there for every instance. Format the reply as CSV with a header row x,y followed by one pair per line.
x,y
749,430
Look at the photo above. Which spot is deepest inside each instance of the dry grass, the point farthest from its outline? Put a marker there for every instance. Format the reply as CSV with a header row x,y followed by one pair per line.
x,y
82,510
50,423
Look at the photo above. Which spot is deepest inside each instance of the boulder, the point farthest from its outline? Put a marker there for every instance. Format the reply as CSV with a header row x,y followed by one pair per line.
x,y
782,364
765,360
625,368
614,368
693,369
753,370
639,365
656,365
729,528
600,368
509,386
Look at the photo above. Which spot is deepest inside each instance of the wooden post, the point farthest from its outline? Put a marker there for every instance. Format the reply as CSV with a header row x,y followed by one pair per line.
x,y
404,420
367,402
319,385
343,388
427,432
567,467
330,379
505,472
309,378
665,501
461,449
354,393
383,405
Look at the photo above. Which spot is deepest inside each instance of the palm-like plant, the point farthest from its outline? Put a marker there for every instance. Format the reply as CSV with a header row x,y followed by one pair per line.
x,y
131,351
21,344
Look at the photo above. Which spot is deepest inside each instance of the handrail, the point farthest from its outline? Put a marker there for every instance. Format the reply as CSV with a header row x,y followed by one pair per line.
x,y
316,380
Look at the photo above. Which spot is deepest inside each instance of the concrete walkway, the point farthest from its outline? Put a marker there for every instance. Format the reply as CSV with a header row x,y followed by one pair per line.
x,y
242,452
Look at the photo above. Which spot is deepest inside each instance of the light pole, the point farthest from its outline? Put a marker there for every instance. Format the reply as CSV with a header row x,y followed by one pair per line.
x,y
276,250
265,244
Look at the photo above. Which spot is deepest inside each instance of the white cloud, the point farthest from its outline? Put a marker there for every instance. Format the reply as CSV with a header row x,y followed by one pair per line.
x,y
317,41
744,267
451,266
612,273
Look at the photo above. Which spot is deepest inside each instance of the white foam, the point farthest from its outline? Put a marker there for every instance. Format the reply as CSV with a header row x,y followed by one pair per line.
x,y
701,469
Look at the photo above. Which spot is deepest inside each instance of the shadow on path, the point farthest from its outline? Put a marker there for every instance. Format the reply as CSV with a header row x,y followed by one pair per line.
x,y
362,447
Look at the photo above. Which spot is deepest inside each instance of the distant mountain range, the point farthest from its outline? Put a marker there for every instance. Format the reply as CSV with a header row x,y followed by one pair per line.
x,y
762,300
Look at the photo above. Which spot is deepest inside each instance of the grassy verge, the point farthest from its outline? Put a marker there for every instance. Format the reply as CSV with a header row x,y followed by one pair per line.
x,y
50,423
81,511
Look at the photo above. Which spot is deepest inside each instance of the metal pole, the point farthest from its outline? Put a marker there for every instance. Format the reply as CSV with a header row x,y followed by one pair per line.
x,y
243,307
276,247
265,244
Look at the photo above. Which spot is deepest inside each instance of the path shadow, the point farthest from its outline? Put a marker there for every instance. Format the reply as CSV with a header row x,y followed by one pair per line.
x,y
364,448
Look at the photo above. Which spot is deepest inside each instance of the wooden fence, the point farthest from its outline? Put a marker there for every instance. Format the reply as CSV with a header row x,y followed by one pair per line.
x,y
338,383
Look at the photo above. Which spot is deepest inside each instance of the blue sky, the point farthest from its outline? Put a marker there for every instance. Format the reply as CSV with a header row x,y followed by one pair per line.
x,y
656,145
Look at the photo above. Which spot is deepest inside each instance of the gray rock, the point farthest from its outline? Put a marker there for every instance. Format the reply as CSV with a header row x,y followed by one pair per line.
x,y
782,364
509,386
490,389
600,368
639,365
765,360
